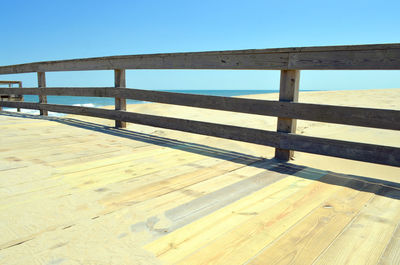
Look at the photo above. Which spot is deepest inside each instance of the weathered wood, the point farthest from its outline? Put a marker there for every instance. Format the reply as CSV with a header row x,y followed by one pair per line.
x,y
42,97
10,86
11,96
120,103
22,95
366,117
350,150
343,149
160,61
311,231
261,230
10,82
365,239
204,128
345,60
382,56
289,92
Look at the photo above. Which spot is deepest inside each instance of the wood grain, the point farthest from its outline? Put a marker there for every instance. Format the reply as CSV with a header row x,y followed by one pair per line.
x,y
391,255
366,117
11,96
380,56
288,92
248,238
308,239
41,76
9,82
120,103
365,239
183,242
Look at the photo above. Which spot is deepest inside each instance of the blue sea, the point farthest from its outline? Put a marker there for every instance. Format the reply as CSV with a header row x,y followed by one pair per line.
x,y
99,102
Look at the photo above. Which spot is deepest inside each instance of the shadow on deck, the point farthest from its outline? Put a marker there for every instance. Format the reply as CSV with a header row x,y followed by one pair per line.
x,y
377,186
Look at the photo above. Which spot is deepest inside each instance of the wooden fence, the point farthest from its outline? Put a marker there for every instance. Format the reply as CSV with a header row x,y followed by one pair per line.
x,y
289,60
11,97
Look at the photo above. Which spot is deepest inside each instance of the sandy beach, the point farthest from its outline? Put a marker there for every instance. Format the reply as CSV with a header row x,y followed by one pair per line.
x,y
377,98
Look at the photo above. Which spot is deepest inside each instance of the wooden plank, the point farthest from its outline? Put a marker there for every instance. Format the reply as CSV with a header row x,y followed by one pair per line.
x,y
163,200
383,56
366,117
21,95
200,207
174,166
10,82
206,177
9,99
344,60
120,103
391,255
159,61
288,92
12,96
175,246
365,239
250,237
76,203
63,162
344,149
308,239
96,178
42,98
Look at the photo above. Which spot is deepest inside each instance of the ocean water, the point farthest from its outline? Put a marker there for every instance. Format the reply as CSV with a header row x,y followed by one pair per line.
x,y
99,102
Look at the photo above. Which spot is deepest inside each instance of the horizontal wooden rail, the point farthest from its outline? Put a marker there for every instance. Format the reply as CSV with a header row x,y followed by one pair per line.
x,y
9,82
350,150
11,96
363,57
366,117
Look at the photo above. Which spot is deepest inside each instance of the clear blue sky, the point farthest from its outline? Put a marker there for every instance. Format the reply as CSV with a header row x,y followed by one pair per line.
x,y
50,30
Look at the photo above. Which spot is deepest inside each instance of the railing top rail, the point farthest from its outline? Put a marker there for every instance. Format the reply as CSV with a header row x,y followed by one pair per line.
x,y
351,57
10,82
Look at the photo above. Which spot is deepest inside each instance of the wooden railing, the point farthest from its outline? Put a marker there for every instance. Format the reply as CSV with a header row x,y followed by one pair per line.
x,y
11,97
289,60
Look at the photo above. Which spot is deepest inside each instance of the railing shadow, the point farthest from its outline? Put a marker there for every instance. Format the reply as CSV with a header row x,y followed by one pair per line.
x,y
378,186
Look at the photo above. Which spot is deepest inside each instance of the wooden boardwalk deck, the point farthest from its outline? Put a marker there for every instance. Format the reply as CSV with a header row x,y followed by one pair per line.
x,y
74,192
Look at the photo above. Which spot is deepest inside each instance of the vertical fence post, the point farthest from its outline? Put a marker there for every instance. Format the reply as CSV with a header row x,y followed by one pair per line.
x,y
120,103
289,92
10,97
22,96
42,84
